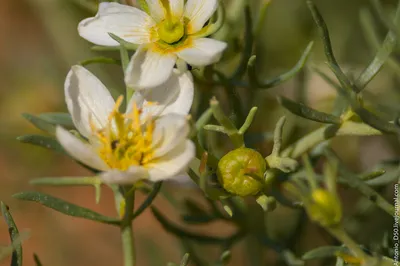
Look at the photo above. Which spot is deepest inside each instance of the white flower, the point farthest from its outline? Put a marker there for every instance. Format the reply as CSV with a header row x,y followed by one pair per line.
x,y
148,141
167,34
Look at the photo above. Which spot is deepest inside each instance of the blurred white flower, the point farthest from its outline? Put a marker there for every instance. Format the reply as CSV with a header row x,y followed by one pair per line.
x,y
148,141
172,30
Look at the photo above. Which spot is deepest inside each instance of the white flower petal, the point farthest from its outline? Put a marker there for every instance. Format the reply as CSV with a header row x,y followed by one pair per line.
x,y
204,51
174,96
170,131
88,100
173,163
128,23
79,150
131,176
149,68
157,10
176,7
198,12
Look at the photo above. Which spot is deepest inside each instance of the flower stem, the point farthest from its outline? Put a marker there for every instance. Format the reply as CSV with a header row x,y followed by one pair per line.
x,y
343,237
348,128
128,243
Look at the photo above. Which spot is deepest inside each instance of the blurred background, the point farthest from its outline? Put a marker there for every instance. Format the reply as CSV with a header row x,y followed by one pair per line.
x,y
38,44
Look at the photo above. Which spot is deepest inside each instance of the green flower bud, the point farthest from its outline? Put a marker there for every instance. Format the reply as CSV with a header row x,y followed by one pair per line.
x,y
241,172
324,208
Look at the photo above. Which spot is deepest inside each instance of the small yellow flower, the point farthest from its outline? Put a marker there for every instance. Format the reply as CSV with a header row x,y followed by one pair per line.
x,y
324,207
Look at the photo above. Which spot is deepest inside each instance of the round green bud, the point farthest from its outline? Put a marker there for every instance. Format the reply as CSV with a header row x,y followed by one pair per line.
x,y
324,208
241,172
171,31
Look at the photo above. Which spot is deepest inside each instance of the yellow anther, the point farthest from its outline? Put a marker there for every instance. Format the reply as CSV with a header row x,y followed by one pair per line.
x,y
151,103
124,142
116,106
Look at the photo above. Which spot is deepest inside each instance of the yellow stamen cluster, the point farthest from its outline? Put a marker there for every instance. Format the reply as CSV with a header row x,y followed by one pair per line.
x,y
125,141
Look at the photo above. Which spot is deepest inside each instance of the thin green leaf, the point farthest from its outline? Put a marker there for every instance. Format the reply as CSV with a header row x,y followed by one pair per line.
x,y
215,128
383,53
71,181
371,36
185,260
65,207
66,181
16,259
256,83
225,257
42,141
100,60
194,208
36,259
324,33
372,175
181,233
375,121
62,119
123,50
261,18
324,252
383,180
307,112
198,219
203,119
223,120
278,136
385,17
40,123
127,45
149,200
6,251
49,143
249,120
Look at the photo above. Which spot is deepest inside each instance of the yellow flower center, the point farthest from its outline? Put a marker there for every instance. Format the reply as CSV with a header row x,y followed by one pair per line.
x,y
171,30
125,141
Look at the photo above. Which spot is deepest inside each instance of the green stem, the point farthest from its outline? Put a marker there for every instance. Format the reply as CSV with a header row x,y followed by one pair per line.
x,y
127,230
348,128
261,18
67,181
383,53
343,237
224,121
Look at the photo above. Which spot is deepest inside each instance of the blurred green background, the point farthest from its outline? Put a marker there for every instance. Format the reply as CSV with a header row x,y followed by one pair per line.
x,y
38,44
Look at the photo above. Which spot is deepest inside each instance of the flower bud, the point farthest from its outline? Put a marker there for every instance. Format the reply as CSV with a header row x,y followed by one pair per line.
x,y
324,208
241,172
